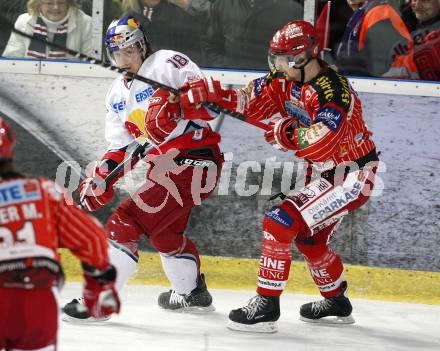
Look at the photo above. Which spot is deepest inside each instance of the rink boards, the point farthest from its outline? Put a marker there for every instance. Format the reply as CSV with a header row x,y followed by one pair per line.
x,y
65,116
241,274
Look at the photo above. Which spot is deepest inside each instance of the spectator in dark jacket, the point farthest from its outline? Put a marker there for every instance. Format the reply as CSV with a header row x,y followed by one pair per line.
x,y
193,7
10,9
239,31
167,26
422,17
112,10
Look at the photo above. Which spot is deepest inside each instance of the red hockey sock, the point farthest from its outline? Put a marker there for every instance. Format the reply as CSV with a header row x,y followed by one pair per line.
x,y
325,267
274,268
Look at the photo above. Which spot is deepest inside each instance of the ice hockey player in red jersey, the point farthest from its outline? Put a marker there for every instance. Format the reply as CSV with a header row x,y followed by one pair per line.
x,y
34,222
160,208
321,122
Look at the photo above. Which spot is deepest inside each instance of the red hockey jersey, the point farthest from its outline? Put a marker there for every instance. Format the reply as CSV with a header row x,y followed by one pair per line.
x,y
34,221
330,128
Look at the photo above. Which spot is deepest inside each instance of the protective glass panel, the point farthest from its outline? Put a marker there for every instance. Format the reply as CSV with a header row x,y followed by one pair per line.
x,y
67,23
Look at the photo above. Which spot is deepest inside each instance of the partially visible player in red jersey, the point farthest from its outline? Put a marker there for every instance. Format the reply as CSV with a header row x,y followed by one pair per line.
x,y
34,222
321,122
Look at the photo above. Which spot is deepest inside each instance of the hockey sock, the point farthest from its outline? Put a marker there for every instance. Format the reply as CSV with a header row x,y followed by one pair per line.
x,y
325,267
274,267
124,261
182,268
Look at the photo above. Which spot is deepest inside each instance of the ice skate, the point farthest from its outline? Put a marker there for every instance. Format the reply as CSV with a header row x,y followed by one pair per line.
x,y
334,310
260,315
76,311
197,301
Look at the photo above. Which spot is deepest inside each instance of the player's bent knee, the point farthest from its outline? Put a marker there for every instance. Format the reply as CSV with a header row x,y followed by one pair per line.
x,y
169,244
282,223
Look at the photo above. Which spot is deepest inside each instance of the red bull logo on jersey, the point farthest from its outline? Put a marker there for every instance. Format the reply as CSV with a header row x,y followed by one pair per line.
x,y
133,129
19,191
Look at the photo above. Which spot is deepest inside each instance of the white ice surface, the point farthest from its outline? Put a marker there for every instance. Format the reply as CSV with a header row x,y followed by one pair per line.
x,y
142,325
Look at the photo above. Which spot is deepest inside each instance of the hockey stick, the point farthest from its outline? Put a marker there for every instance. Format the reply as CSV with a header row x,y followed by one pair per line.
x,y
155,84
143,147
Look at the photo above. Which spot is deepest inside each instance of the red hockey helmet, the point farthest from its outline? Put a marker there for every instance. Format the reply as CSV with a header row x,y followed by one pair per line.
x,y
7,140
294,45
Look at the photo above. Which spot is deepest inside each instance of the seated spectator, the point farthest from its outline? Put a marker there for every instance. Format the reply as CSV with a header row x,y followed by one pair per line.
x,y
167,26
58,21
239,30
10,9
112,10
193,7
367,46
422,17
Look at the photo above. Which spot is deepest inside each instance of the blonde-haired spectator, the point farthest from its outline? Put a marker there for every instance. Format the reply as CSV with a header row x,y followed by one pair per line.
x,y
58,21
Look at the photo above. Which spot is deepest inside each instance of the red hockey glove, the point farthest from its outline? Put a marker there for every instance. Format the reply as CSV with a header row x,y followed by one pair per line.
x,y
93,195
99,292
280,133
162,116
200,90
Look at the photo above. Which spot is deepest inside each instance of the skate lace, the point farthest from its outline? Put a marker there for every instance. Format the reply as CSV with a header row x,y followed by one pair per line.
x,y
176,298
320,306
256,304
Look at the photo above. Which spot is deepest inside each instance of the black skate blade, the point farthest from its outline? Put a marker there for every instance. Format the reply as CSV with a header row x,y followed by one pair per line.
x,y
263,327
191,309
329,320
90,320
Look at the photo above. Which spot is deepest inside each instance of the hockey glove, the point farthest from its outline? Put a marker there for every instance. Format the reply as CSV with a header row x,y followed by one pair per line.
x,y
280,133
162,115
197,91
93,192
200,90
99,292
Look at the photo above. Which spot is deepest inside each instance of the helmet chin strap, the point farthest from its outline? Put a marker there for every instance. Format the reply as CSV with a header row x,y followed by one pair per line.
x,y
303,74
302,69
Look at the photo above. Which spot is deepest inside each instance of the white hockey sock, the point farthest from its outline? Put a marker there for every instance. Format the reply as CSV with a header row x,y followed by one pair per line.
x,y
123,260
181,271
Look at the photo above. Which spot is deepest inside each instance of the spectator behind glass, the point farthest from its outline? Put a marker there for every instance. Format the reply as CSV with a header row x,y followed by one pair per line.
x,y
167,26
193,7
340,14
58,21
369,39
239,30
10,9
112,10
422,17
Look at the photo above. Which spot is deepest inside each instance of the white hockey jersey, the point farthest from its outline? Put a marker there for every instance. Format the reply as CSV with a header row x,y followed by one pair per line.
x,y
127,101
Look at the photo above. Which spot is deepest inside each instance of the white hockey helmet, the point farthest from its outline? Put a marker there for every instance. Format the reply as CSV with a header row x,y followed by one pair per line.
x,y
123,33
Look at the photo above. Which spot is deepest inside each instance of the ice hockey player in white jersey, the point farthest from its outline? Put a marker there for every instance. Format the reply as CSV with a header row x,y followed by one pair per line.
x,y
184,167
